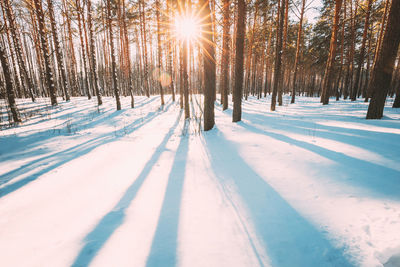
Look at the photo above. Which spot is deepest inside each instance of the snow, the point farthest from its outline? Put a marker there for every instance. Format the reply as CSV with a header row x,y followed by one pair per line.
x,y
307,185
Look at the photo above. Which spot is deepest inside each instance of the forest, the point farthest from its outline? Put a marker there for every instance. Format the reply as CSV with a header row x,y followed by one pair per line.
x,y
200,133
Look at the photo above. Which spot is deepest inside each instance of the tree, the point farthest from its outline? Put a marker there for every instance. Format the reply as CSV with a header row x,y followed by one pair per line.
x,y
8,85
45,51
239,44
59,54
299,33
113,61
278,52
224,82
328,76
384,64
17,47
83,53
127,54
360,60
209,67
159,49
93,64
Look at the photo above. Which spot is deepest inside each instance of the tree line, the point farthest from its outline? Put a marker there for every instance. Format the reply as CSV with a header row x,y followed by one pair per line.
x,y
64,48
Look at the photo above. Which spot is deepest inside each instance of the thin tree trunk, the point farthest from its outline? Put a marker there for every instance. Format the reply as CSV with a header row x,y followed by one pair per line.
x,y
18,49
59,54
238,88
328,76
296,62
278,52
159,49
8,85
112,51
45,51
224,82
93,54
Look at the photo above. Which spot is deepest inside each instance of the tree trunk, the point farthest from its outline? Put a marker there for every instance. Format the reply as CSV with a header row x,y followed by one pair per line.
x,y
18,49
209,66
384,64
45,51
93,54
144,47
159,49
112,51
278,52
328,76
169,50
8,85
224,82
59,54
238,89
296,62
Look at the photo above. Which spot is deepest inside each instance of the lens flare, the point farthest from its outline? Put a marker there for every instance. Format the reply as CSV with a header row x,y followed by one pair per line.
x,y
187,28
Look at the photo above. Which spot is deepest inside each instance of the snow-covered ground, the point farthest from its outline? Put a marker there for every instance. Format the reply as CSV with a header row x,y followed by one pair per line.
x,y
307,185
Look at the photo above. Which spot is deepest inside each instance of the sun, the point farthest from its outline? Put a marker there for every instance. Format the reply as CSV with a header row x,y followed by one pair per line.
x,y
187,28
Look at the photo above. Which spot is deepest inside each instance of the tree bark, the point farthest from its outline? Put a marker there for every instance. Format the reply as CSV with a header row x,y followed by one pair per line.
x,y
59,54
8,85
18,49
112,51
278,53
238,88
209,66
224,82
296,62
45,51
328,76
384,64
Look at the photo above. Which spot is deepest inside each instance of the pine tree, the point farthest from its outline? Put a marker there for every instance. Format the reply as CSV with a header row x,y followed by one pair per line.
x,y
239,44
45,51
58,51
113,61
9,85
384,64
328,76
93,63
209,67
224,82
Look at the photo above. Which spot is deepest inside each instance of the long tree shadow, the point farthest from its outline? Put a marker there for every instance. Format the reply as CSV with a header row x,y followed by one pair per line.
x,y
289,239
378,180
165,242
96,239
364,138
59,158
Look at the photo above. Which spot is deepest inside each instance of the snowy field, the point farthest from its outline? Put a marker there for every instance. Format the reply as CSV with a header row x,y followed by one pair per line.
x,y
307,185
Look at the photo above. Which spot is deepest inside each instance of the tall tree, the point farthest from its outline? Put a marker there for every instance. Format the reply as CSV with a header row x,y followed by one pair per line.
x,y
113,61
80,13
159,56
209,67
127,55
224,82
328,76
58,51
9,85
45,51
18,49
360,60
384,64
278,52
93,63
239,44
296,62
